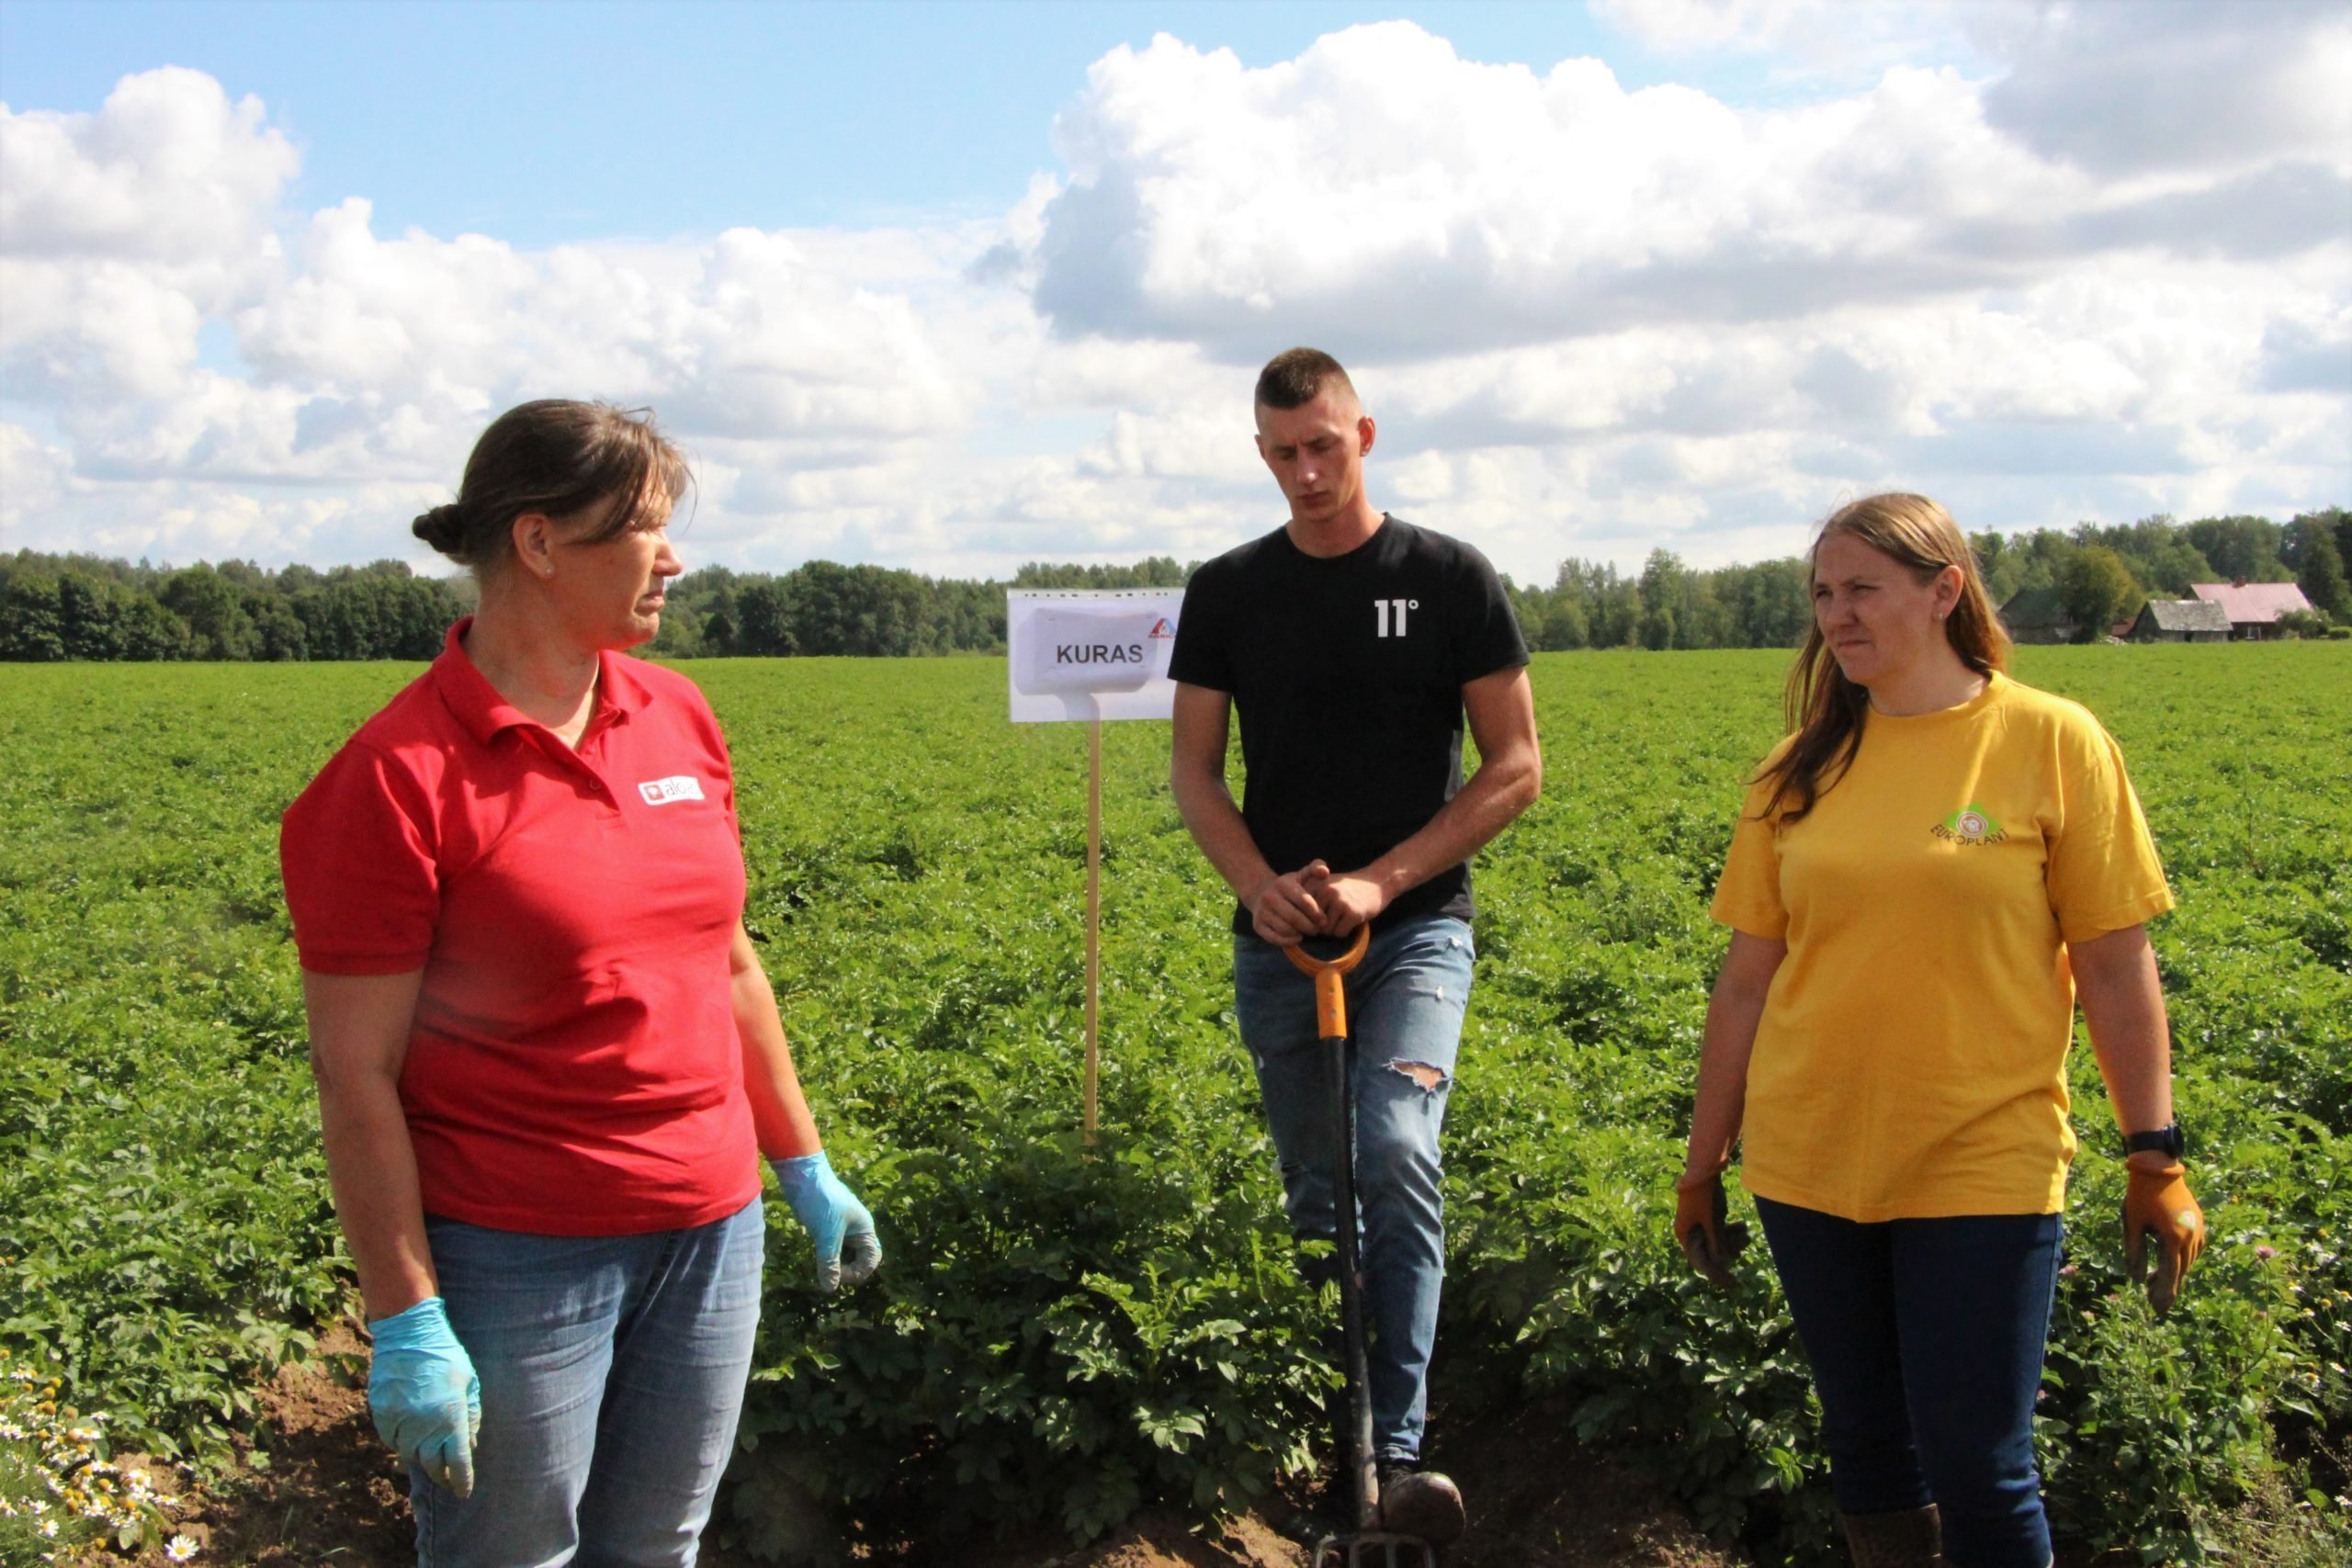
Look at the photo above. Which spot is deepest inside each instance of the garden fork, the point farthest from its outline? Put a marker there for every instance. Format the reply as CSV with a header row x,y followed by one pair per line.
x,y
1366,1545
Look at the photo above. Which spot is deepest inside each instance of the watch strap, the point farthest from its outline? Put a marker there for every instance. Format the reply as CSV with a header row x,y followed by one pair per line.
x,y
2167,1138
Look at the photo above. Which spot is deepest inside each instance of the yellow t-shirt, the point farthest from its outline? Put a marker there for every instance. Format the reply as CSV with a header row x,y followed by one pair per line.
x,y
1911,1060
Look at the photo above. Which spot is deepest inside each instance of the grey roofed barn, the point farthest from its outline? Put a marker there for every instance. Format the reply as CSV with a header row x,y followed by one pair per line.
x,y
2181,620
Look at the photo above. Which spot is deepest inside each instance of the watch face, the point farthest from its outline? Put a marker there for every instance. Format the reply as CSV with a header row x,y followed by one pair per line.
x,y
2166,1139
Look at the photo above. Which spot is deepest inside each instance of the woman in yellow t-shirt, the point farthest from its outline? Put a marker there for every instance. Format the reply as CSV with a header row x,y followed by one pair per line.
x,y
1925,876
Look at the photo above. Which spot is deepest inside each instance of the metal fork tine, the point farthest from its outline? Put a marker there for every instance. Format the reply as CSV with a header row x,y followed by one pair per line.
x,y
1374,1551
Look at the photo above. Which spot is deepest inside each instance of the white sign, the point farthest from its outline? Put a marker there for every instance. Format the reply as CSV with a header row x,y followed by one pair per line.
x,y
1083,655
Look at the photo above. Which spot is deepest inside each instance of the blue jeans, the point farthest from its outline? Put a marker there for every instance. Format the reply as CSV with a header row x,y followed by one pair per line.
x,y
1405,1007
612,1372
1926,1338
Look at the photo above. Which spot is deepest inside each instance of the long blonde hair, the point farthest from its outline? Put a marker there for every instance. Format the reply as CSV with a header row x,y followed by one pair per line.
x,y
1826,710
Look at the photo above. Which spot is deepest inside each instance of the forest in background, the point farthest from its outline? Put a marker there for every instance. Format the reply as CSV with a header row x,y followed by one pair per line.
x,y
57,607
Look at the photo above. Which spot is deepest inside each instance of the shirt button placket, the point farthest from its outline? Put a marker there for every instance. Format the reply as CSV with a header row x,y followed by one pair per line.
x,y
590,759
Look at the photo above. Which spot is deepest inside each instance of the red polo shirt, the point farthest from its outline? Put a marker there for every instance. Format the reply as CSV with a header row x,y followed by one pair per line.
x,y
574,1068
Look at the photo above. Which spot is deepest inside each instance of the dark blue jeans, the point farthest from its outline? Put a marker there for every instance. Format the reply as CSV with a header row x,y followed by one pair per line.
x,y
1926,1338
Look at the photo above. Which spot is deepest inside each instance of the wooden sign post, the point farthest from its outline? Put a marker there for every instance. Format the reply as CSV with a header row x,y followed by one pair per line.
x,y
1090,656
1087,1120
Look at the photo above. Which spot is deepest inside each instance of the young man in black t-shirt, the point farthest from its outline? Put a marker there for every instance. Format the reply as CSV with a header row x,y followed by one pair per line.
x,y
1352,643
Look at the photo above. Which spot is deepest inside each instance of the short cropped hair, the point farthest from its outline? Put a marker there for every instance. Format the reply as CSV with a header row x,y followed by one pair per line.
x,y
1297,376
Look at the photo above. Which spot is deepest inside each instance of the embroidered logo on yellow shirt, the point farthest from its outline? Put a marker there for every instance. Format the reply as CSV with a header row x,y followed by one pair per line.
x,y
1971,824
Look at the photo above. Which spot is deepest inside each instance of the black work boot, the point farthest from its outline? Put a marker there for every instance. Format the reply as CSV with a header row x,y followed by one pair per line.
x,y
1420,1502
1907,1538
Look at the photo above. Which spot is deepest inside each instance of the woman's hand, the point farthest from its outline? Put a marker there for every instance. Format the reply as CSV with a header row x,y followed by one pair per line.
x,y
424,1395
1703,1228
834,1219
2157,1205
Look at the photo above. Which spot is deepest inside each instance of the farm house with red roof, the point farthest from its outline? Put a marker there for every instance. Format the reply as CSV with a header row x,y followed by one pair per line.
x,y
2254,608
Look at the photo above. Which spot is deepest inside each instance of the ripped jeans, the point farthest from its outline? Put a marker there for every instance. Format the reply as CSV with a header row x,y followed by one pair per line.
x,y
1405,1008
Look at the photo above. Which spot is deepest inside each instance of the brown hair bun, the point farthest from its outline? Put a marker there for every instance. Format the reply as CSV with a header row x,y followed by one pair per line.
x,y
443,527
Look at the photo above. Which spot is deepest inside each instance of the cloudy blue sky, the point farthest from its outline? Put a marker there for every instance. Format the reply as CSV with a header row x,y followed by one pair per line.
x,y
954,286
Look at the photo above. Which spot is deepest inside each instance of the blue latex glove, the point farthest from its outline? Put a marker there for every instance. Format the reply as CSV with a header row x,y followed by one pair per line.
x,y
834,1219
424,1395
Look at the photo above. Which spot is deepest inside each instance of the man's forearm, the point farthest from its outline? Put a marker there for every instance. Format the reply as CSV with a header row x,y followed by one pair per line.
x,y
1503,786
1215,824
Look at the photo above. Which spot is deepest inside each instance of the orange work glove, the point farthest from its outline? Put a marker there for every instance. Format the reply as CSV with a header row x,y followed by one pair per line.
x,y
2157,1203
1709,1239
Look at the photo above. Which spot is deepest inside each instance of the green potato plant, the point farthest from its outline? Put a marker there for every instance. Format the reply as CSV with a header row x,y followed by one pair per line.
x,y
1067,1332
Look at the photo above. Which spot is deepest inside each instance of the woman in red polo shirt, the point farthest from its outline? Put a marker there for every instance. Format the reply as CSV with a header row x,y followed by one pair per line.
x,y
547,1058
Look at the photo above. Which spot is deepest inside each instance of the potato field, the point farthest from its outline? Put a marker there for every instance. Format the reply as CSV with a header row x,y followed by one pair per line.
x,y
1061,1336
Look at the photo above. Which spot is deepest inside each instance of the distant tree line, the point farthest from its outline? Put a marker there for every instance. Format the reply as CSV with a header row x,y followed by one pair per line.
x,y
2105,574
83,607
55,607
822,609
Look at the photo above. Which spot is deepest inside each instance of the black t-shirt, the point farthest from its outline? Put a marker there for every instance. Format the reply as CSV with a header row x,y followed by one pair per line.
x,y
1346,672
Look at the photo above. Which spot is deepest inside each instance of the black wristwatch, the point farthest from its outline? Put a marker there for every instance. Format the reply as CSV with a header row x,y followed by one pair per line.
x,y
2167,1137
